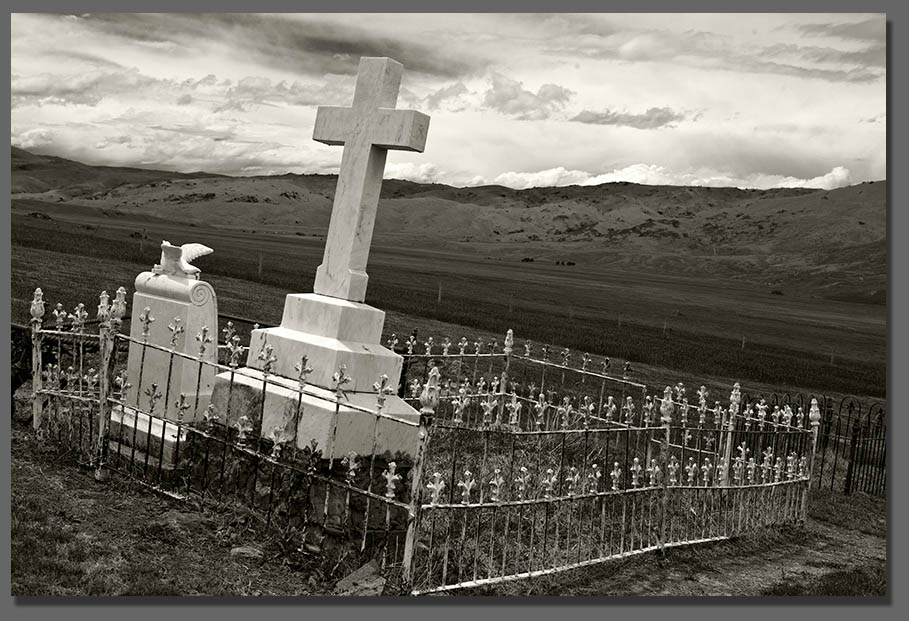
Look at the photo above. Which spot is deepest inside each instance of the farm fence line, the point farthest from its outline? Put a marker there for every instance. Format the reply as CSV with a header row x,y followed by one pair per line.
x,y
522,467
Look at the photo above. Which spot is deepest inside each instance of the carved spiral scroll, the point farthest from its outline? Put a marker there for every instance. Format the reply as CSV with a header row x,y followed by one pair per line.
x,y
201,294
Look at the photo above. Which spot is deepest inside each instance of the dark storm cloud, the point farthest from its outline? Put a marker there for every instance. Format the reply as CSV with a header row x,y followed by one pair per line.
x,y
653,118
291,44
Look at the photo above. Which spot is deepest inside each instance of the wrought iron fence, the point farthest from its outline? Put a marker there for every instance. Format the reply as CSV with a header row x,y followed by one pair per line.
x,y
85,404
523,463
549,486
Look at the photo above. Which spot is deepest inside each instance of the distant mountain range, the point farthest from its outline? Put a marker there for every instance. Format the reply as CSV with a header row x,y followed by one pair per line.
x,y
828,243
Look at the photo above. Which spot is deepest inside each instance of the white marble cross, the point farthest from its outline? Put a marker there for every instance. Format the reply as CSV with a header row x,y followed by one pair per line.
x,y
367,130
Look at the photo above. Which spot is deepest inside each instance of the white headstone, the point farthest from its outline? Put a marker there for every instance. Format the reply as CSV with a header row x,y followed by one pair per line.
x,y
184,313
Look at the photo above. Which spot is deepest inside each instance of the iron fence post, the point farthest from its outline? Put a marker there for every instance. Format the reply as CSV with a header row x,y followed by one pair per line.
x,y
735,400
37,313
814,417
509,347
727,450
850,468
429,400
109,318
666,419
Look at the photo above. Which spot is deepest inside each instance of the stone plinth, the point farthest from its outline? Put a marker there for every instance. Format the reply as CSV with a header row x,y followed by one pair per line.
x,y
320,418
330,332
135,435
183,303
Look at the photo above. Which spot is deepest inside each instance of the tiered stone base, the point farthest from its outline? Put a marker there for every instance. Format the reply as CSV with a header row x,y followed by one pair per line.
x,y
339,426
329,332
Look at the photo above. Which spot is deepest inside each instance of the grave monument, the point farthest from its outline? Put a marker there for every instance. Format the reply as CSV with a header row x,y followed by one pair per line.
x,y
331,328
183,316
175,312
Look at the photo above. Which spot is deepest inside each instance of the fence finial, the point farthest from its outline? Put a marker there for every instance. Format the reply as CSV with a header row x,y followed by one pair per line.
x,y
78,318
146,320
118,307
814,414
303,370
37,308
103,307
203,339
666,406
176,329
435,487
59,315
429,399
735,398
610,408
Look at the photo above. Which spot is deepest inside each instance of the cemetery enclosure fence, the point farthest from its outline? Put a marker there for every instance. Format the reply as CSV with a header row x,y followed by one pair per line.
x,y
523,466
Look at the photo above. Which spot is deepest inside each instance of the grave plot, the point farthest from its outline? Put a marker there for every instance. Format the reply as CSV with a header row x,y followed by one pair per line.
x,y
451,465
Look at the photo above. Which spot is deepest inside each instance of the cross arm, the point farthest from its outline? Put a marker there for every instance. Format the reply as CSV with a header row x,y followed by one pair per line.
x,y
401,130
332,123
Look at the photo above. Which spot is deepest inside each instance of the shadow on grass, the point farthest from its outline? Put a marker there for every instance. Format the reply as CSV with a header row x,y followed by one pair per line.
x,y
866,581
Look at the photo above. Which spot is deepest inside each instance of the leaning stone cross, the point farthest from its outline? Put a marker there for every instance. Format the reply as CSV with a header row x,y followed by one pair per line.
x,y
368,129
332,330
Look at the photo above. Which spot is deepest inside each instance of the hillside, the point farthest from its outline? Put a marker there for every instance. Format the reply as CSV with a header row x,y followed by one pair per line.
x,y
832,243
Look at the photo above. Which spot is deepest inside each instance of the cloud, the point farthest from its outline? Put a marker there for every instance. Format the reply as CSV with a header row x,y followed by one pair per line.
x,y
713,51
260,90
874,55
447,93
558,176
836,178
509,97
651,174
426,172
651,119
35,139
873,29
85,88
297,43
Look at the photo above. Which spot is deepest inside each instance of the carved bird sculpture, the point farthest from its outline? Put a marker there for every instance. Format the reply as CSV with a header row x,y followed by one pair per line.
x,y
176,259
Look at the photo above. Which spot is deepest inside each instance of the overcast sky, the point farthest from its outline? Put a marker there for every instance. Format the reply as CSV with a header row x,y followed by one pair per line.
x,y
759,100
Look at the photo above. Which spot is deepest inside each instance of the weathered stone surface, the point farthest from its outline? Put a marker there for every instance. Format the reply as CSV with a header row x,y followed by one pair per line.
x,y
331,328
364,362
367,130
321,420
135,434
170,297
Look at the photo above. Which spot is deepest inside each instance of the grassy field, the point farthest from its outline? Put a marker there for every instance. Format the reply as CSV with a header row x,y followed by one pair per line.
x,y
691,325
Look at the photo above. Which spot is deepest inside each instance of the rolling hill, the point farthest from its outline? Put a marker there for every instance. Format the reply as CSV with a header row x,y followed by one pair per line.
x,y
825,243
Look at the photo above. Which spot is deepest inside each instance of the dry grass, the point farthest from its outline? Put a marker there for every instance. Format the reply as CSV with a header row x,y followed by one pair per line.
x,y
73,536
